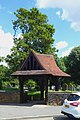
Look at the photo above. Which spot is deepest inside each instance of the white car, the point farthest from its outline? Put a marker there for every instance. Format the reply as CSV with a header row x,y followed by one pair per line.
x,y
71,106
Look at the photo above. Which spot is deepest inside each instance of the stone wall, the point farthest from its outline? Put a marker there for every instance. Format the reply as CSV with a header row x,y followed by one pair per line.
x,y
56,98
9,97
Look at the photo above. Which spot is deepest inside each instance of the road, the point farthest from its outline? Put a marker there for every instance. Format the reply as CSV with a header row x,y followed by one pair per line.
x,y
62,117
31,112
27,112
57,117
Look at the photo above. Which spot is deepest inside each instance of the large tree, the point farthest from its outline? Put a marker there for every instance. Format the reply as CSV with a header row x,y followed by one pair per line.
x,y
37,34
61,63
4,74
73,64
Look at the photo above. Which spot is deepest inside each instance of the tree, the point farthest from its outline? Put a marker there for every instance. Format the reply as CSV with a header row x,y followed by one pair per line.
x,y
73,64
30,84
3,74
36,34
61,63
2,59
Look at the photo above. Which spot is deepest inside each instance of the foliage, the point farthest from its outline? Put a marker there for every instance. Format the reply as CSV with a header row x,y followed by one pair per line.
x,y
30,84
36,34
5,78
14,83
73,64
3,73
61,63
2,59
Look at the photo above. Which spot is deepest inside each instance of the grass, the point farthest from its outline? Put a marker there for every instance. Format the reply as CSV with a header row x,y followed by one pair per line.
x,y
10,89
61,91
33,93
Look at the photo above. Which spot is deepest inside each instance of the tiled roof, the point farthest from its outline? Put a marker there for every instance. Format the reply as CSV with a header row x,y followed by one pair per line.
x,y
49,64
49,67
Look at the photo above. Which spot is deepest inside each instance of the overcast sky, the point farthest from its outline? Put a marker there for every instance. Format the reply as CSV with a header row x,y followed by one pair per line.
x,y
63,14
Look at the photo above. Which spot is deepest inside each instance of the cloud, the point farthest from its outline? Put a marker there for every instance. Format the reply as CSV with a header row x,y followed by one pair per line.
x,y
70,10
44,3
10,12
6,43
61,45
75,26
58,13
64,15
66,52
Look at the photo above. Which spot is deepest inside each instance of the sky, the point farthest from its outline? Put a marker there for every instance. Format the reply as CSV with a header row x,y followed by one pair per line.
x,y
63,14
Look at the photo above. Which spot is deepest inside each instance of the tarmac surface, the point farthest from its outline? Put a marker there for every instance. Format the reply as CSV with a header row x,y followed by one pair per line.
x,y
28,112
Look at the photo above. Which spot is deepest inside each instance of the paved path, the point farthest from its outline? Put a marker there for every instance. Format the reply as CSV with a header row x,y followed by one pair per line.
x,y
28,112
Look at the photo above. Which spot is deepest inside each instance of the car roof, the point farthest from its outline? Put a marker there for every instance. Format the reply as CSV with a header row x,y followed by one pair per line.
x,y
77,93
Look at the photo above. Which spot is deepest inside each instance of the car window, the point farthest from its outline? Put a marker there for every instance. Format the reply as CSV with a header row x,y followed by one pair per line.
x,y
73,97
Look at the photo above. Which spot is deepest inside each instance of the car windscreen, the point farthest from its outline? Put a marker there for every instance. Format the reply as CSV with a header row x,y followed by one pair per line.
x,y
73,97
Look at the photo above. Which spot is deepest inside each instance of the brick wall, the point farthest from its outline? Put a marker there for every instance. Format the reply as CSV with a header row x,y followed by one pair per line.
x,y
9,97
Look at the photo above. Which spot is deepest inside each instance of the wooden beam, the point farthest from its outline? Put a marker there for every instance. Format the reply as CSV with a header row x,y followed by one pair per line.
x,y
46,90
42,89
56,83
21,90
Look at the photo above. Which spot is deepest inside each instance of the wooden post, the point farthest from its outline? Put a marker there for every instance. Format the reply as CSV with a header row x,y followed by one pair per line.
x,y
51,83
21,90
56,84
42,89
46,90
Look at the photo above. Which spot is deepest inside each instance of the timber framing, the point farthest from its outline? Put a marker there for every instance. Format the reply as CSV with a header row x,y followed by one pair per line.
x,y
41,67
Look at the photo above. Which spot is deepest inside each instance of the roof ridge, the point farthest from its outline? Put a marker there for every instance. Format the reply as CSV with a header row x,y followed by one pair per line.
x,y
43,54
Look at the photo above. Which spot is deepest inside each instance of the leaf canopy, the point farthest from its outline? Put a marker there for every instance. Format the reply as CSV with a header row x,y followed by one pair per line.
x,y
36,34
